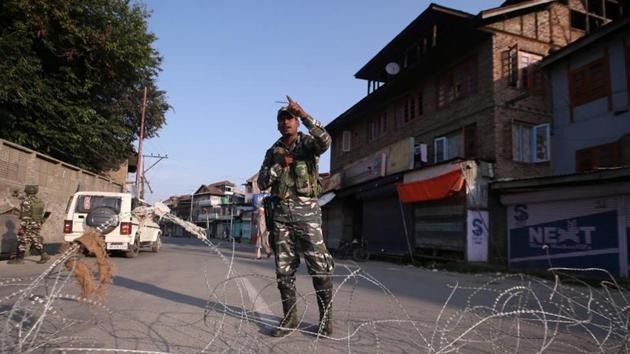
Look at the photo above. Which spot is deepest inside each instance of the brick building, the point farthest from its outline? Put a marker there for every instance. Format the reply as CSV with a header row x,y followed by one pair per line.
x,y
453,91
580,216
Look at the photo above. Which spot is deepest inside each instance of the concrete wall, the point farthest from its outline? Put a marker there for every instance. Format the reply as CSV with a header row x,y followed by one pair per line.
x,y
57,182
596,122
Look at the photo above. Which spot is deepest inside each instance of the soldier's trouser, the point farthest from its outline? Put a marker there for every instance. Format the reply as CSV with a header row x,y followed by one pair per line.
x,y
297,223
29,234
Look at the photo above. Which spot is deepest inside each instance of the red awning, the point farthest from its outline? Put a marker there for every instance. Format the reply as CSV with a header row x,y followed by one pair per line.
x,y
431,189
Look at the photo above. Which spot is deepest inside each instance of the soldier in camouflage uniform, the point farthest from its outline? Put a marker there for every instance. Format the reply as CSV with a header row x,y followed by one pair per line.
x,y
32,217
290,168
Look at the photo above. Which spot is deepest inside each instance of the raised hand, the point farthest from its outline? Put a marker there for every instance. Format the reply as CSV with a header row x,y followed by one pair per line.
x,y
295,108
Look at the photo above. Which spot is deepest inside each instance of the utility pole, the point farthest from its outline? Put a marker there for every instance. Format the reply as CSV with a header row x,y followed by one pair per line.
x,y
192,200
139,172
144,172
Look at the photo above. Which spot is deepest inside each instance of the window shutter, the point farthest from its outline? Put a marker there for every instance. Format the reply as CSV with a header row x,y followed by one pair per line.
x,y
346,141
513,78
509,65
541,143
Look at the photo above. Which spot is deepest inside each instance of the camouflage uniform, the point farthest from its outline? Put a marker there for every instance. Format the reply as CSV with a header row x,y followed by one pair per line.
x,y
29,228
297,216
31,220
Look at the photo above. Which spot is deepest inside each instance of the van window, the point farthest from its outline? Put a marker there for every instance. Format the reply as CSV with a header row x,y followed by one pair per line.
x,y
85,203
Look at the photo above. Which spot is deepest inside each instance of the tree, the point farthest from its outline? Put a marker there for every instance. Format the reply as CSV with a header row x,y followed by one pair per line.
x,y
72,75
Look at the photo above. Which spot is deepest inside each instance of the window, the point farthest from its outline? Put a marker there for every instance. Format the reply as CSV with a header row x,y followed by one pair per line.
x,y
529,76
420,104
346,141
509,65
409,110
613,11
449,146
578,20
541,143
460,82
598,13
420,154
377,126
531,143
596,7
440,149
606,155
86,203
589,82
520,69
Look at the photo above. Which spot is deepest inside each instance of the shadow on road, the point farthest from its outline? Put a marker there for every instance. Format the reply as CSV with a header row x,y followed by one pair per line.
x,y
260,319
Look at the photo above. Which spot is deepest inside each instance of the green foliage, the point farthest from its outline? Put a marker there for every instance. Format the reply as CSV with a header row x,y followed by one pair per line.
x,y
72,75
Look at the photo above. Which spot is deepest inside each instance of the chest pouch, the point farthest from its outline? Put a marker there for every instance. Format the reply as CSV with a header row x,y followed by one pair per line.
x,y
303,184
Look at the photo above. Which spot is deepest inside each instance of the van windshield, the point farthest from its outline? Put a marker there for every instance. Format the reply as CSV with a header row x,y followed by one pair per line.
x,y
85,203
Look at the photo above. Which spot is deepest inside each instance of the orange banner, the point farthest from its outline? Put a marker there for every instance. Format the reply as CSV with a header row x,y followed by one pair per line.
x,y
431,189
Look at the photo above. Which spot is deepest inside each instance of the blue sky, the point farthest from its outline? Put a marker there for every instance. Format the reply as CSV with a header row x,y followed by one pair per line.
x,y
226,63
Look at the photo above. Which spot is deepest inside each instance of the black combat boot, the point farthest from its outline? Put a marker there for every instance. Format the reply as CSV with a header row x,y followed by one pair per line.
x,y
44,257
19,258
290,320
323,287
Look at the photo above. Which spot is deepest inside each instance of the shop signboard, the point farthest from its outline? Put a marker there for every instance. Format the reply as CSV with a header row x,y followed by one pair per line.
x,y
580,234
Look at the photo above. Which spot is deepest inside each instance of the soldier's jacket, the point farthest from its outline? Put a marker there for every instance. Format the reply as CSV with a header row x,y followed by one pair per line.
x,y
31,210
301,178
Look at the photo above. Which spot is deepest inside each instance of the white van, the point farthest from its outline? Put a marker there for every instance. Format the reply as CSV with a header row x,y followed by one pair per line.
x,y
110,213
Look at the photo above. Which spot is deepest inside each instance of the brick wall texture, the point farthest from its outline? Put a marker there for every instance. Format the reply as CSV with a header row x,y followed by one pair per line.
x,y
494,108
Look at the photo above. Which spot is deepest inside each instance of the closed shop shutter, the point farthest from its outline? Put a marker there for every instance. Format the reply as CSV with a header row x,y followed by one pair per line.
x,y
383,226
441,224
332,218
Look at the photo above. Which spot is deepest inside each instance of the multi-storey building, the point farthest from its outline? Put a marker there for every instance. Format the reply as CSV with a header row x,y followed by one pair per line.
x,y
452,92
589,80
579,217
215,207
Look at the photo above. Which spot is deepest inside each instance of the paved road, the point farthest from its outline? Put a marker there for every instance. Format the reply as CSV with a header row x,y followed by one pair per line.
x,y
190,297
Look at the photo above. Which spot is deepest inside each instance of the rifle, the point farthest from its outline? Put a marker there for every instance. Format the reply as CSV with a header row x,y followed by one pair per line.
x,y
268,206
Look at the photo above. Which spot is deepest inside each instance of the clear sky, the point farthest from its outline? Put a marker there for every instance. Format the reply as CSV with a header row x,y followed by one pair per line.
x,y
226,63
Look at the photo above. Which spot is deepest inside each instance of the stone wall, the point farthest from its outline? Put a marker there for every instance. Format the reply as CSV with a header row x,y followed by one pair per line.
x,y
57,182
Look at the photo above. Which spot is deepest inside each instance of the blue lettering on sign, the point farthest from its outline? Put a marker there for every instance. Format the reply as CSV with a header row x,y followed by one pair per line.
x,y
477,227
584,233
520,212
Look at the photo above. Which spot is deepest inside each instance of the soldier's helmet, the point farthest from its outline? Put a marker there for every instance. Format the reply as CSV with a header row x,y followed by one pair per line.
x,y
31,189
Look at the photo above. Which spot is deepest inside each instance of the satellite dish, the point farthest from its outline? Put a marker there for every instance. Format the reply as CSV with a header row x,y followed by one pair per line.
x,y
392,68
326,198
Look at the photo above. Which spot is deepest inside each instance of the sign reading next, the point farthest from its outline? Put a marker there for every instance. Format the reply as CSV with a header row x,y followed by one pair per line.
x,y
571,236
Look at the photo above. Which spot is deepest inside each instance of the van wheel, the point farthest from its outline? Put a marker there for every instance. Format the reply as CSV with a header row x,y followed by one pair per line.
x,y
155,247
134,249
